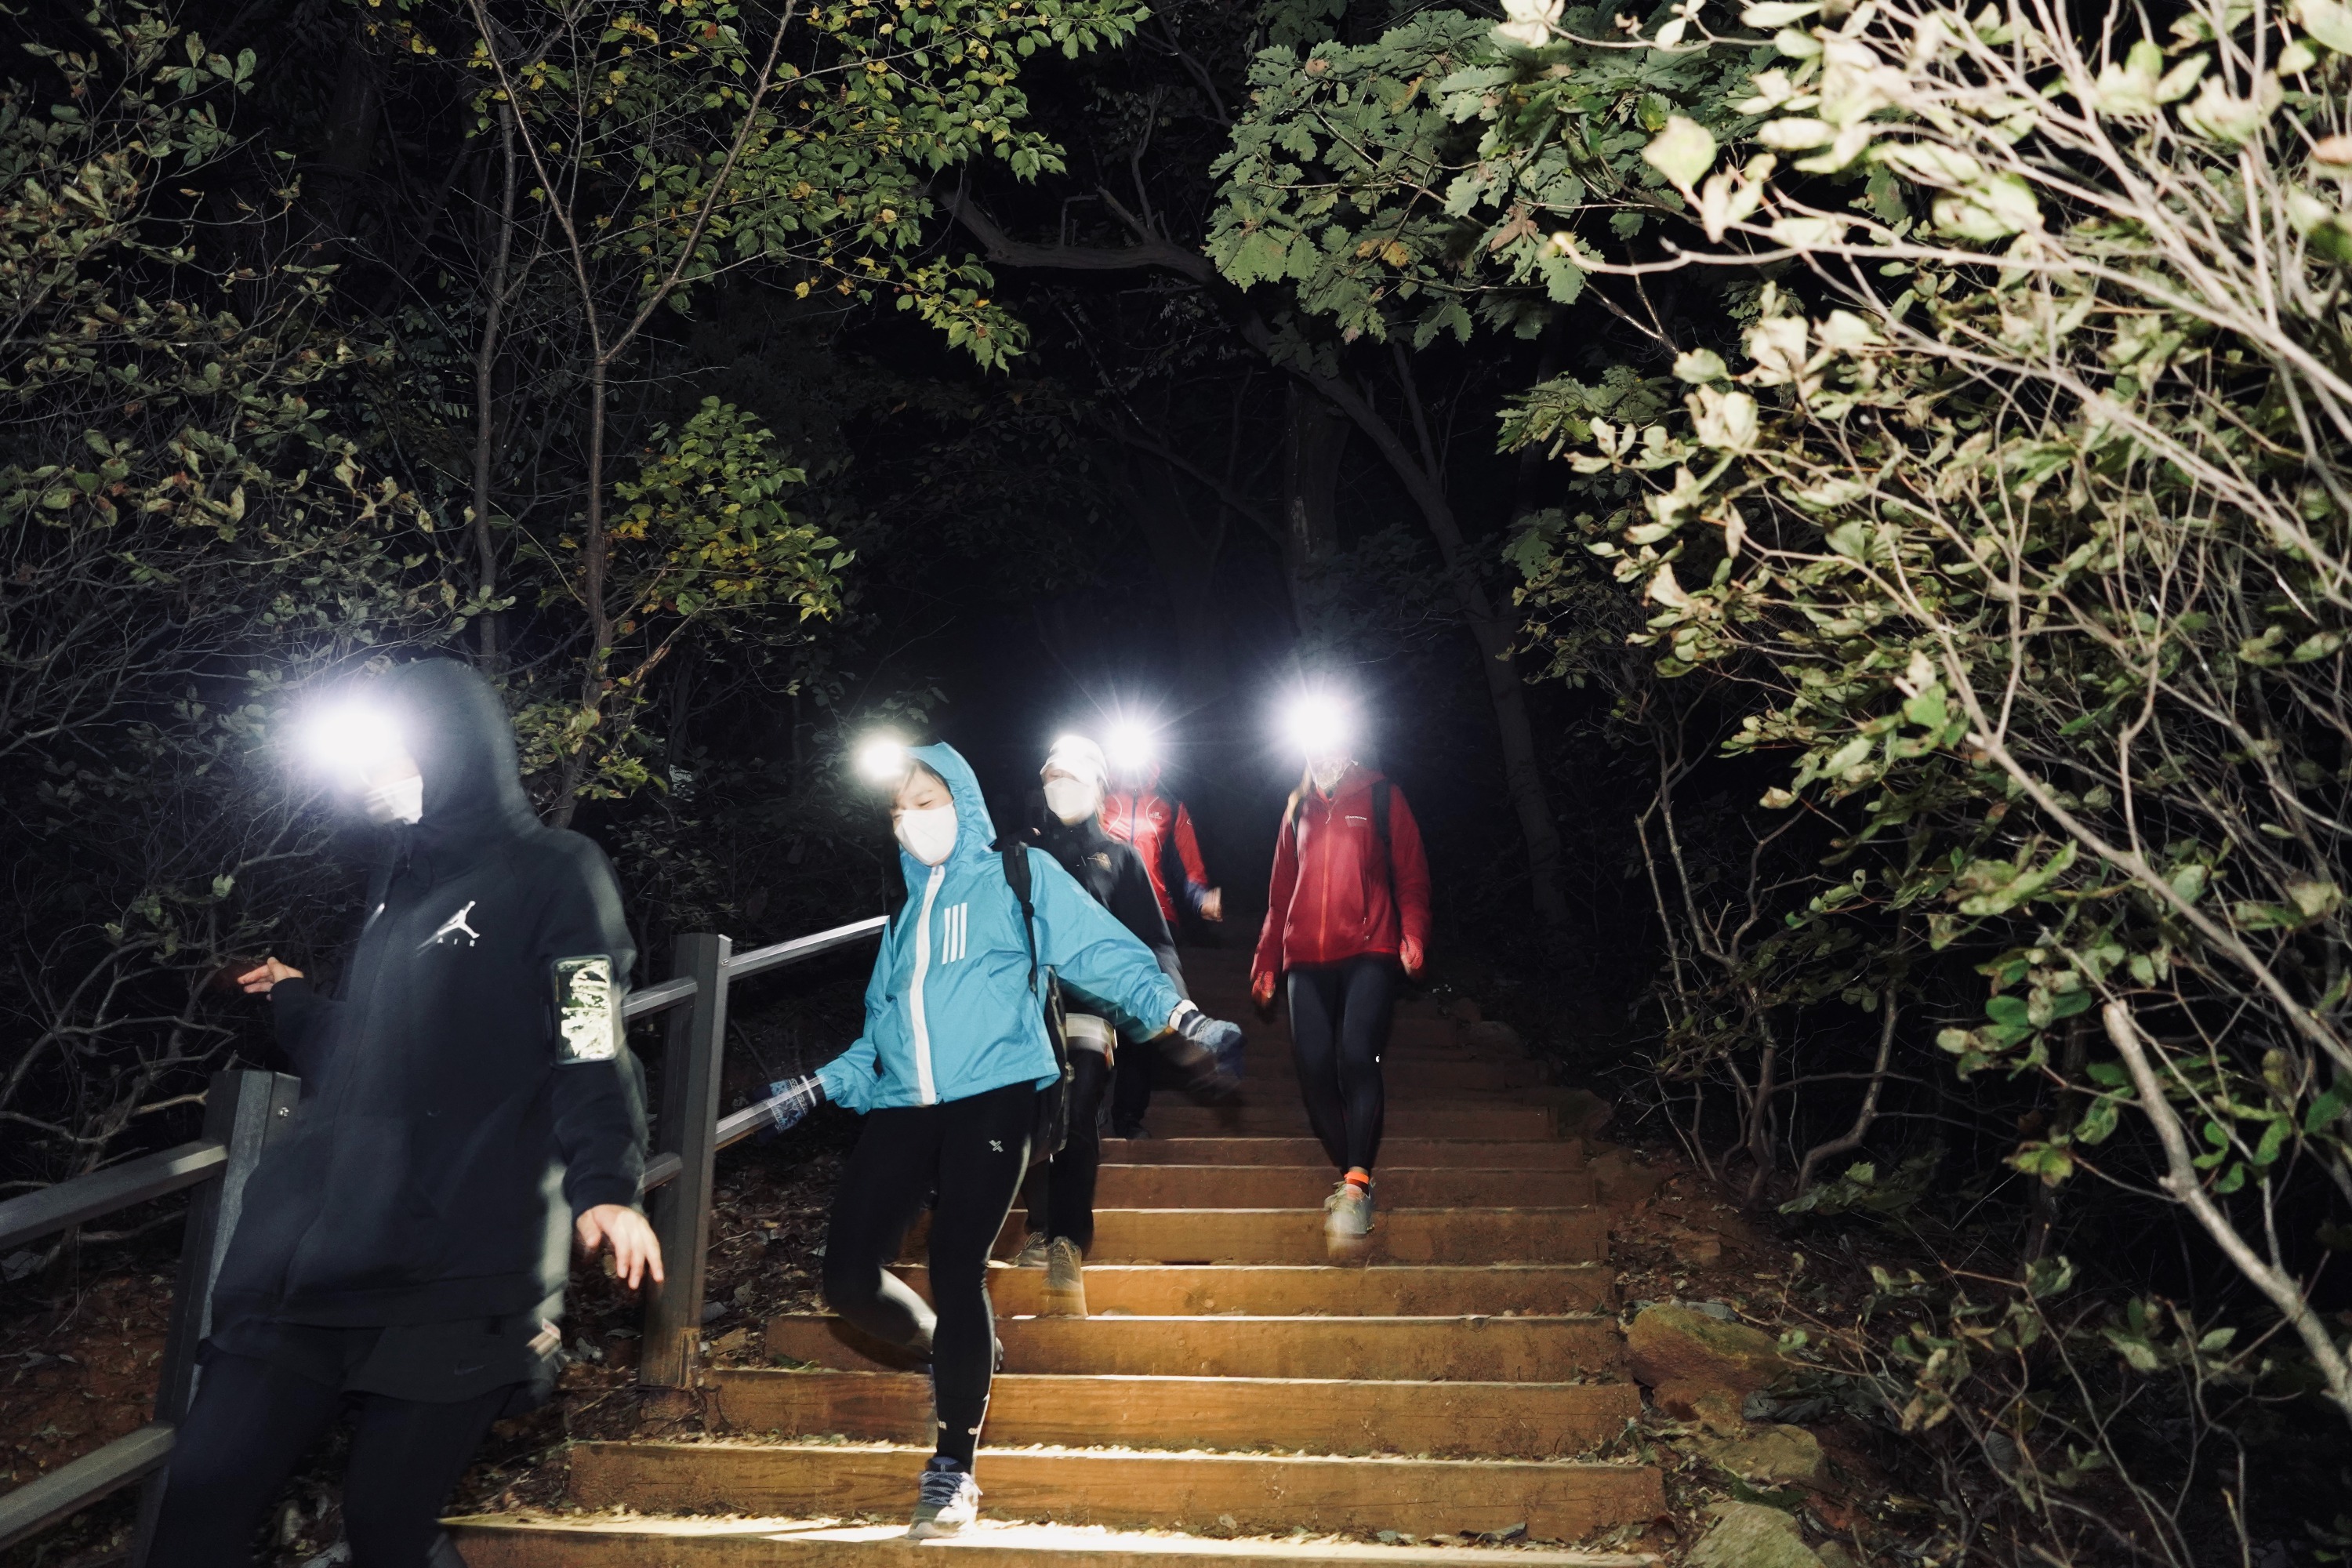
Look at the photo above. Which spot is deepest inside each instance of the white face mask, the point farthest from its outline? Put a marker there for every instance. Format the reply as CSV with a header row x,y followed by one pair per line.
x,y
927,835
402,800
1328,771
1072,800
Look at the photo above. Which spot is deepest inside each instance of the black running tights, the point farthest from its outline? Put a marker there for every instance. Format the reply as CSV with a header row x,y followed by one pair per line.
x,y
1062,1193
252,1423
1338,1028
971,1152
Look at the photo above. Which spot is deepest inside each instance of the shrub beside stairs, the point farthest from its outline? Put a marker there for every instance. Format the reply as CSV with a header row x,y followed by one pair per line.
x,y
1231,1385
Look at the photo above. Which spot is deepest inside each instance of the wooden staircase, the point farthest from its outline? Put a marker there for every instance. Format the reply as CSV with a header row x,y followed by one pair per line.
x,y
1231,1383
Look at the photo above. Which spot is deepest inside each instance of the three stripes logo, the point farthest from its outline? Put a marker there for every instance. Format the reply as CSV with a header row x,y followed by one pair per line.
x,y
954,931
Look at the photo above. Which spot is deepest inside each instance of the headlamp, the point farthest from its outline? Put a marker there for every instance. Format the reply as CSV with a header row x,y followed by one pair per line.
x,y
1319,724
883,761
356,740
1132,747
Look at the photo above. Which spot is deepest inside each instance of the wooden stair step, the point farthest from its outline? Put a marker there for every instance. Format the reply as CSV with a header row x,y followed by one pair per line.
x,y
1291,1186
1463,1075
1554,1499
635,1542
1279,1291
1502,1119
1418,1154
1471,1350
1519,1420
1295,1236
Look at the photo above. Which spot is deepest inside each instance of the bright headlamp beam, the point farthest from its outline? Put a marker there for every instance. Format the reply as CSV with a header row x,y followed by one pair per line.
x,y
1131,747
1319,725
354,739
883,761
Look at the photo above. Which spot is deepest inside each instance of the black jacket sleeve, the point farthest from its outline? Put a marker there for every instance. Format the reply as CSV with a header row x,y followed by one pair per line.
x,y
600,1110
305,1022
1137,908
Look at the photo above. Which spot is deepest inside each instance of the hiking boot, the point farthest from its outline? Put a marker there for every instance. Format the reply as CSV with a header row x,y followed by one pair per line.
x,y
948,1499
1066,1281
1348,1220
1033,1251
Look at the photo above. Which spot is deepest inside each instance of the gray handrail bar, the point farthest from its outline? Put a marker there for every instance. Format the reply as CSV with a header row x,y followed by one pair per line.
x,y
69,1203
244,1110
742,966
660,998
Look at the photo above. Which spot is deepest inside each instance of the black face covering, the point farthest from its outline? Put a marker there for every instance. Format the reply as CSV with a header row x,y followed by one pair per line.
x,y
459,732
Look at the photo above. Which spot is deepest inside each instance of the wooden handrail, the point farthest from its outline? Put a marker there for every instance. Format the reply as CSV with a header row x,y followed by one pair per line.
x,y
69,1203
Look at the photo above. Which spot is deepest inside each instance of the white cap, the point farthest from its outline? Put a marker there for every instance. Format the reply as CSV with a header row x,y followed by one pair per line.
x,y
1080,758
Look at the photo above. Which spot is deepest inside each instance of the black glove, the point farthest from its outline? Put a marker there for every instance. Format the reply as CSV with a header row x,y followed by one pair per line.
x,y
1209,1053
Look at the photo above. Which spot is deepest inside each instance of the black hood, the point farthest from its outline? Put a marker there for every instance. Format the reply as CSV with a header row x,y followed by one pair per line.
x,y
458,730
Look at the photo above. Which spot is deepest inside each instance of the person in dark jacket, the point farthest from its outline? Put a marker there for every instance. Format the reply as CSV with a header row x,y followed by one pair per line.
x,y
1347,909
1062,1190
469,1107
1160,826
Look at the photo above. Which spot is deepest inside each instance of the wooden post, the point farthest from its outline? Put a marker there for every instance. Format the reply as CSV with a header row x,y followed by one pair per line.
x,y
244,1110
687,1127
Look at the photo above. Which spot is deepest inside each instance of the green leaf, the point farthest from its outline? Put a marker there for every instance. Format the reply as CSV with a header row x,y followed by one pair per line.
x,y
1683,151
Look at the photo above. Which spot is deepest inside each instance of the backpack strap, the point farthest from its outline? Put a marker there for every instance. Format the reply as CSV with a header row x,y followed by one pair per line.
x,y
1016,876
1380,813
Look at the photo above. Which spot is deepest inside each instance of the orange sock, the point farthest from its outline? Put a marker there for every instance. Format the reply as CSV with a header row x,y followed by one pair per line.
x,y
1358,1175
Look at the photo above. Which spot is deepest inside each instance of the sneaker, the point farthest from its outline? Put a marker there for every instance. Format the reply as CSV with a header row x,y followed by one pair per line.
x,y
1066,1281
1348,1220
949,1500
1132,1132
1033,1251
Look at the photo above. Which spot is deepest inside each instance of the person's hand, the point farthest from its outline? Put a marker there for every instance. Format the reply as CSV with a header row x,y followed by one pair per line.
x,y
1410,954
790,1100
1212,904
258,982
636,1251
1262,988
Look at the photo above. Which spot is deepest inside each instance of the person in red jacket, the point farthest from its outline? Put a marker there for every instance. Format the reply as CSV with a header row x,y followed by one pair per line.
x,y
1138,814
1348,908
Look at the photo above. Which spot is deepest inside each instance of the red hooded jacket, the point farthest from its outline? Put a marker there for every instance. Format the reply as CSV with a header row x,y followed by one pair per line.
x,y
1337,893
1153,824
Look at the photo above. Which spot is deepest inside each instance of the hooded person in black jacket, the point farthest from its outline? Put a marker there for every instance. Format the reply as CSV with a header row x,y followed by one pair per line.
x,y
468,1106
1062,1193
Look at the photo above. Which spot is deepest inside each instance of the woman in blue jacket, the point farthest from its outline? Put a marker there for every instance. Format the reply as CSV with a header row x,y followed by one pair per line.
x,y
946,1074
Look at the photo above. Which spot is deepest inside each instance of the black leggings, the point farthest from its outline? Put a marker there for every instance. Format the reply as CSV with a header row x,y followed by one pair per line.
x,y
250,1425
971,1152
1338,1026
1062,1193
1130,1094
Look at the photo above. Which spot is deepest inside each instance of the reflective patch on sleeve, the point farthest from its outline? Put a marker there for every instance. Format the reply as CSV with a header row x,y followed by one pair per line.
x,y
588,1010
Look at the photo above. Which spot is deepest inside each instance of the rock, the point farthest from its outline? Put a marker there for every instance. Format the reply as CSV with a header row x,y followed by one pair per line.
x,y
1696,1249
1621,1178
1463,1009
1834,1555
1751,1535
1579,1112
1685,1355
1713,1409
1771,1455
1492,1035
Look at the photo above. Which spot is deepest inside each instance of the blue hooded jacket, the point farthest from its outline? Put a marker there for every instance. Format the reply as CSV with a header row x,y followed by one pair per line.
x,y
949,1012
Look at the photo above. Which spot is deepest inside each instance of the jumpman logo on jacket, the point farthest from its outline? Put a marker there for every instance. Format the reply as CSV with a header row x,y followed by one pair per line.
x,y
456,925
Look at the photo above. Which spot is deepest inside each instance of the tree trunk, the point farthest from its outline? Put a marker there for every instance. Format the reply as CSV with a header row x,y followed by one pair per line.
x,y
1493,632
1185,557
1315,442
